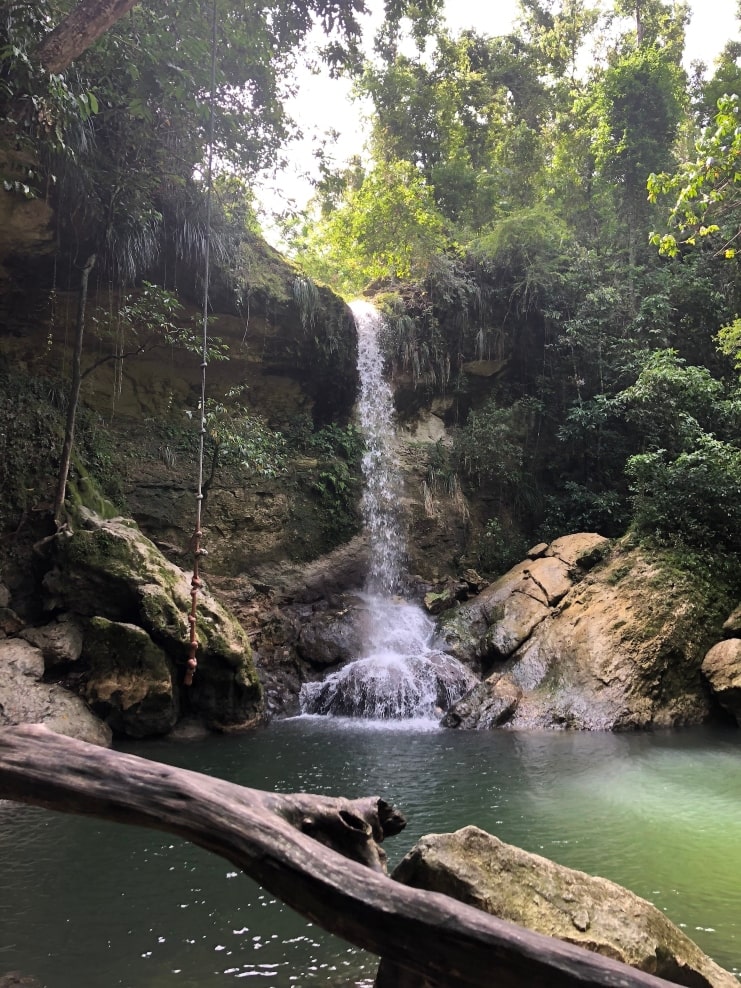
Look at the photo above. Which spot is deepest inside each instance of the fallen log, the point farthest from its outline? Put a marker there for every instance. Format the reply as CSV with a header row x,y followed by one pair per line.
x,y
319,855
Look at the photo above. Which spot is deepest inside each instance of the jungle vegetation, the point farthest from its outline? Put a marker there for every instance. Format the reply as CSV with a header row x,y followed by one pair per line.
x,y
550,220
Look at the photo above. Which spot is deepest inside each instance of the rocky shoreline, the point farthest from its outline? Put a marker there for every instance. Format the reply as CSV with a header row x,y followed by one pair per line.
x,y
583,634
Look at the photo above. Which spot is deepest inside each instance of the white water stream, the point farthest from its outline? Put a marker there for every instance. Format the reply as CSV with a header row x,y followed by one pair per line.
x,y
399,674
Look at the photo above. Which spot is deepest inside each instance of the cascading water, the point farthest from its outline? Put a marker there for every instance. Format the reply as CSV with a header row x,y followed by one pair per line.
x,y
400,675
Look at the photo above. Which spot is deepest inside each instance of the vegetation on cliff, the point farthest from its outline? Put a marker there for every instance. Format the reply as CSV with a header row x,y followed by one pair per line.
x,y
582,379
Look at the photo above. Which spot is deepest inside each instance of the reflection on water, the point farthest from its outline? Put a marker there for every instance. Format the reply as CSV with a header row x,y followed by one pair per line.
x,y
89,903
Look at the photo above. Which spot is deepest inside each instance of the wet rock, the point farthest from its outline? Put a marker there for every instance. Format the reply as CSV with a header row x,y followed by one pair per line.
x,y
437,601
389,686
722,669
330,637
488,705
24,699
505,881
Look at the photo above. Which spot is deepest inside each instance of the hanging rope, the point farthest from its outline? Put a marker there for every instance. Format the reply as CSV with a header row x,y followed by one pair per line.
x,y
198,551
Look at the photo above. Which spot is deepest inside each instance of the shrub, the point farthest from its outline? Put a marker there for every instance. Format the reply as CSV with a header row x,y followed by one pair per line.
x,y
695,497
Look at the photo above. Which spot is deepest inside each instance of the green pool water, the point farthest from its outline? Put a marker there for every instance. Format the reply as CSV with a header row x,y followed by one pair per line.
x,y
85,903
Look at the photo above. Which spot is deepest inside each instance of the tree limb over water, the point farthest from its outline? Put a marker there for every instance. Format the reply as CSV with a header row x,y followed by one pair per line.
x,y
320,855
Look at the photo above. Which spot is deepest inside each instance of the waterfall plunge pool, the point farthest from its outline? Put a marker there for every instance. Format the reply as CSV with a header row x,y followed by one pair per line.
x,y
99,904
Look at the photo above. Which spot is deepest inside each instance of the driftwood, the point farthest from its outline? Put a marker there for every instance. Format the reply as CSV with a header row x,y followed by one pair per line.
x,y
319,855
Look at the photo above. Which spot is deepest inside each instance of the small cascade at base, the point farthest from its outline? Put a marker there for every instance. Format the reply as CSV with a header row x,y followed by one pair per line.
x,y
401,675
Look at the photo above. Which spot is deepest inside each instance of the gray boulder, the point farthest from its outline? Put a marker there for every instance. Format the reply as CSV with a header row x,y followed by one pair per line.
x,y
538,894
327,638
60,642
25,699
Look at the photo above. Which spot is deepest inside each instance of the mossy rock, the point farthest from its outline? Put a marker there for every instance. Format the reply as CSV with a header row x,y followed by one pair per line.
x,y
109,570
131,683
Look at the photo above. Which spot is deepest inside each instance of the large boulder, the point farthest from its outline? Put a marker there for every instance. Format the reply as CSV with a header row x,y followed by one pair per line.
x,y
108,569
534,892
329,637
132,685
504,615
25,699
722,668
621,649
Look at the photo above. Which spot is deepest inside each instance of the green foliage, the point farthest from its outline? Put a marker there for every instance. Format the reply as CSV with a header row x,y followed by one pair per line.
x,y
577,508
672,404
153,313
387,229
32,411
125,130
498,547
36,108
527,253
705,194
337,441
494,451
239,438
337,481
639,105
695,496
729,341
466,114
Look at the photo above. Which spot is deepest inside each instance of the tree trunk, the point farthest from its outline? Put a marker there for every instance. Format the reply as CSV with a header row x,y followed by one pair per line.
x,y
290,845
78,31
74,395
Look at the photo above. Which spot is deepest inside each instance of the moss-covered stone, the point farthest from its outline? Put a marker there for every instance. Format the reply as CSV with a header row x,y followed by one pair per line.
x,y
130,683
531,891
109,570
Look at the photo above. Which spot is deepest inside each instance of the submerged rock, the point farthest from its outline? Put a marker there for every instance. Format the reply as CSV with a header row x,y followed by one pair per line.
x,y
531,891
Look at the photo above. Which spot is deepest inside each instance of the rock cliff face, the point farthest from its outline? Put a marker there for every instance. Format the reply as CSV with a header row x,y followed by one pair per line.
x,y
505,881
566,640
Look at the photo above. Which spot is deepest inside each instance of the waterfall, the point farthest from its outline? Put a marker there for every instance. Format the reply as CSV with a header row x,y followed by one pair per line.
x,y
399,674
380,494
